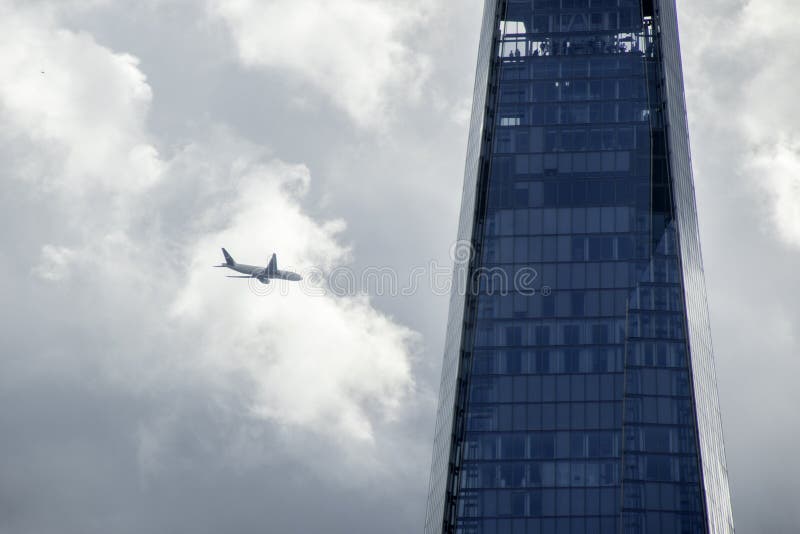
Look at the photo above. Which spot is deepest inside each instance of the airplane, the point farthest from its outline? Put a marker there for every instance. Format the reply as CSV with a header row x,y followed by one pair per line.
x,y
262,274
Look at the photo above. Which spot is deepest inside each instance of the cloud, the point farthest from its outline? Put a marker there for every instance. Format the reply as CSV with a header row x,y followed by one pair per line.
x,y
744,96
319,361
55,263
358,52
741,72
130,295
77,104
778,165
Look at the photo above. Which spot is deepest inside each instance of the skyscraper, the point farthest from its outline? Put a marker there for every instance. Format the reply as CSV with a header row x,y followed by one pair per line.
x,y
578,390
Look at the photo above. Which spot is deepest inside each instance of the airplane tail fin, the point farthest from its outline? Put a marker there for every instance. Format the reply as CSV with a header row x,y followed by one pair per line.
x,y
272,266
228,258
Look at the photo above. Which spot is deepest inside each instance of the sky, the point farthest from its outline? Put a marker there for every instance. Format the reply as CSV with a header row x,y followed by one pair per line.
x,y
141,391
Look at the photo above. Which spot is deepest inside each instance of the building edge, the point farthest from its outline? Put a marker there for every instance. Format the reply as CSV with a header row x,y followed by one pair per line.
x,y
709,420
462,255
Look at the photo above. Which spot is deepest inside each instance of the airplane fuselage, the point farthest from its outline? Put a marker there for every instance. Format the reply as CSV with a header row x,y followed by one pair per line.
x,y
263,274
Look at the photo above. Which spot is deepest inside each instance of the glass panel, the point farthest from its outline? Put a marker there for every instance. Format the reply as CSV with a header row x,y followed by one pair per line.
x,y
573,409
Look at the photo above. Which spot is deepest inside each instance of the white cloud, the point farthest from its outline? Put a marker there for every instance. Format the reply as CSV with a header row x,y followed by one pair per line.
x,y
77,103
142,233
320,362
55,263
358,52
743,87
777,168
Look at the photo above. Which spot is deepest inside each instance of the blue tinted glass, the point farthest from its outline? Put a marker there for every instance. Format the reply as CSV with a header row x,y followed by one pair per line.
x,y
571,404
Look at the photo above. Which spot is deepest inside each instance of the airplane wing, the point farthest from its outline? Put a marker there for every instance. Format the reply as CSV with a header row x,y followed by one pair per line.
x,y
272,266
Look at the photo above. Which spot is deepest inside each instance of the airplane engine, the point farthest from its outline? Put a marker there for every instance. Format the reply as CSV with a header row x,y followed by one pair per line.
x,y
264,280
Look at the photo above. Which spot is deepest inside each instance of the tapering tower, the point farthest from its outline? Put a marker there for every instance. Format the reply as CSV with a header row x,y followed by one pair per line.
x,y
578,390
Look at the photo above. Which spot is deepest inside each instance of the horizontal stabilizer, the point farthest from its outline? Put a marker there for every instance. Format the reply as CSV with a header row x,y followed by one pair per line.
x,y
229,276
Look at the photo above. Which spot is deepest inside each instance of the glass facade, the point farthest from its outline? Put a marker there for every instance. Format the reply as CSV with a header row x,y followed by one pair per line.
x,y
578,392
